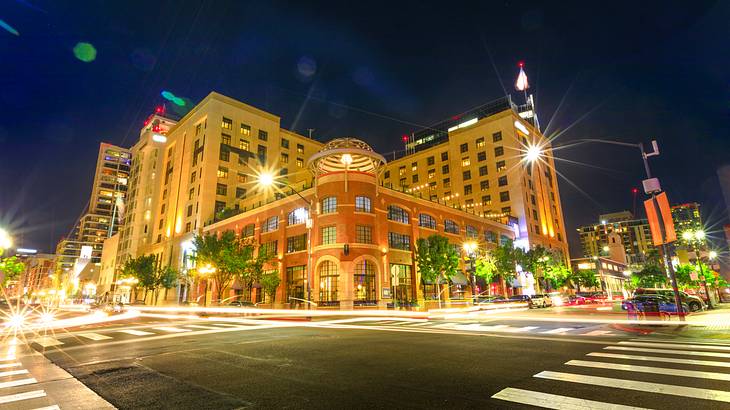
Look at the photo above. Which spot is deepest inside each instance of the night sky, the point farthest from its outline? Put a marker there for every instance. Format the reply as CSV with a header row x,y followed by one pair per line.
x,y
630,72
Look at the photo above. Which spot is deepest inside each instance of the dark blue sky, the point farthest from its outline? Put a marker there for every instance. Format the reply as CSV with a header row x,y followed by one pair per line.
x,y
632,71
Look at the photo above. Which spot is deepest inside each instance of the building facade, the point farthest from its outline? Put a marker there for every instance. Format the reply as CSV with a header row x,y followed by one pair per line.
x,y
478,161
612,275
634,234
348,241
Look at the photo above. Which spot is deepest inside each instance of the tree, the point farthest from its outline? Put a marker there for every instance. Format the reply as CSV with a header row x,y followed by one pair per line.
x,y
498,262
651,275
436,259
556,274
165,278
141,268
684,277
11,268
584,277
253,271
269,283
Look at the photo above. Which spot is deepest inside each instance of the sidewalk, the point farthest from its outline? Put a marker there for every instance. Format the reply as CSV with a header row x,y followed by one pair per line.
x,y
30,381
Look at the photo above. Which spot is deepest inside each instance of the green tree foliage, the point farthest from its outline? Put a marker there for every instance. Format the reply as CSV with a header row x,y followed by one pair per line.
x,y
151,277
269,283
683,274
436,258
652,275
498,262
11,268
585,278
556,274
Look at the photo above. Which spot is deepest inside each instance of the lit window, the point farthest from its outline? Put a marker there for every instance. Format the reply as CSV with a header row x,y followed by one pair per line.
x,y
450,226
297,216
245,129
296,243
300,162
227,124
300,149
364,282
242,178
362,204
221,189
401,171
501,166
222,172
480,142
270,224
244,145
225,139
484,185
465,162
431,173
284,158
486,200
328,235
328,279
426,221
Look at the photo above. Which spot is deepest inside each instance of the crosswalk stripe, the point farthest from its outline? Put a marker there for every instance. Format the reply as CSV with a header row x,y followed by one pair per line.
x,y
421,323
668,351
203,327
383,322
554,401
650,369
135,332
5,366
494,327
559,330
673,390
22,396
402,323
693,341
661,359
598,333
518,329
53,407
47,341
227,324
676,346
15,383
13,373
172,329
94,336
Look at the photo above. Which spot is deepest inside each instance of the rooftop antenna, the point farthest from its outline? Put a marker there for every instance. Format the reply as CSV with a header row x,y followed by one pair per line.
x,y
522,84
310,132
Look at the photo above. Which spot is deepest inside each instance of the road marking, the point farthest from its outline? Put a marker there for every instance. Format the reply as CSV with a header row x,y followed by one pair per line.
x,y
554,401
383,322
668,351
661,359
94,336
22,396
650,369
15,383
13,372
494,327
693,341
518,329
402,323
598,333
54,407
559,330
202,327
676,346
172,329
47,341
7,358
648,387
421,324
135,332
228,324
5,366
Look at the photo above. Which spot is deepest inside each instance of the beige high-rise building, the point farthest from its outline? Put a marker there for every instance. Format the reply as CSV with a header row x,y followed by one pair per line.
x,y
477,161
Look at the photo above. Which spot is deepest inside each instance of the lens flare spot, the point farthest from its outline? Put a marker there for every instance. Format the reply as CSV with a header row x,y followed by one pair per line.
x,y
178,101
168,95
85,52
9,28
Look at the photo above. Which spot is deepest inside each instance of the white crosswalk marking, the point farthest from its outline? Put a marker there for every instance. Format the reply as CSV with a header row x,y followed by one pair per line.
x,y
494,327
135,332
421,324
676,346
203,327
559,330
227,324
47,341
172,329
15,383
661,359
54,407
22,396
691,341
94,336
7,365
598,333
383,322
668,351
554,401
651,369
518,329
13,373
707,394
402,323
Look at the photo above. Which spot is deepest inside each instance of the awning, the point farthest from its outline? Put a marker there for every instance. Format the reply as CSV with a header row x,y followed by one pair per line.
x,y
441,281
459,279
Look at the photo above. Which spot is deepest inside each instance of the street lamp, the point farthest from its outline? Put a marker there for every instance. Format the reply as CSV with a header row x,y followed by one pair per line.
x,y
470,248
533,153
266,179
205,270
5,240
694,238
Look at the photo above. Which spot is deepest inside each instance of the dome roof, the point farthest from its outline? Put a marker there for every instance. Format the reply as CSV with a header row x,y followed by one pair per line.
x,y
349,154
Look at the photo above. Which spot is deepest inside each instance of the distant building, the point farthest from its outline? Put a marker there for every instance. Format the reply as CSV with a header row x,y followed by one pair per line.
x,y
36,280
633,234
611,274
687,218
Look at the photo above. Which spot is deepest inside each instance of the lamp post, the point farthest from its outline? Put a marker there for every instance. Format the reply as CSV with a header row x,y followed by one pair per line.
x,y
205,270
266,180
5,240
470,250
694,238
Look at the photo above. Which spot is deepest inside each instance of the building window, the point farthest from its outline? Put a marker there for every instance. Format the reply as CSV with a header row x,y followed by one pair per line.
x,y
221,189
244,145
447,182
271,224
191,193
190,210
484,185
445,169
403,286
300,149
245,129
328,235
284,158
490,236
498,151
363,234
431,173
532,200
285,143
300,162
242,178
497,136
402,182
472,232
297,216
445,156
364,281
467,189
295,283
248,230
465,162
198,128
263,135
486,200
480,142
227,124
464,147
481,156
466,175
501,166
398,214
192,176
362,204
329,205
534,214
241,193
222,172
504,196
401,171
426,221
386,174
219,206
414,166
296,243
430,160
482,170
262,154
225,155
502,181
399,241
225,139
451,226
414,178
507,210
187,227
328,277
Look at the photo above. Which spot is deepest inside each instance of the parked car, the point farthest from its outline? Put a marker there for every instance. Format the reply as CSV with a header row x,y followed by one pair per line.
x,y
653,304
559,299
535,301
490,299
241,303
541,300
694,303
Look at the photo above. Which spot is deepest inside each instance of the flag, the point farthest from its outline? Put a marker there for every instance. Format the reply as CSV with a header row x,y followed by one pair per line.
x,y
521,83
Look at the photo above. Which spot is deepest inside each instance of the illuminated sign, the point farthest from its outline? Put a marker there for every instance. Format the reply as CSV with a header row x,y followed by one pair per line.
x,y
522,128
85,252
159,138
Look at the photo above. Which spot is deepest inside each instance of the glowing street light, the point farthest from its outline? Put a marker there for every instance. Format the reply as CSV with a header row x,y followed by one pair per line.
x,y
266,179
346,159
470,247
205,270
5,240
533,153
713,255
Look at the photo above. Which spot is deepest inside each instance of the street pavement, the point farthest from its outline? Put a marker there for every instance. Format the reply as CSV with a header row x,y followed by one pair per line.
x,y
189,362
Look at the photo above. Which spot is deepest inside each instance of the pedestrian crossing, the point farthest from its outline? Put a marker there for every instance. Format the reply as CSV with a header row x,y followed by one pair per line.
x,y
498,328
646,367
14,379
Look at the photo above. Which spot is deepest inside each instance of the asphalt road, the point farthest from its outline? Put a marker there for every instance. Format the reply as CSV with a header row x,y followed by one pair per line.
x,y
183,363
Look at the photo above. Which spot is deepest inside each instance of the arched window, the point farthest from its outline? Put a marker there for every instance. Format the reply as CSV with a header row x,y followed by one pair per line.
x,y
364,281
328,276
329,205
450,226
472,232
297,216
398,214
362,204
426,221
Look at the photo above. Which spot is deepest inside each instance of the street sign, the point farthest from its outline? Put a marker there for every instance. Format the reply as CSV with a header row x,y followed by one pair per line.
x,y
693,275
660,219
